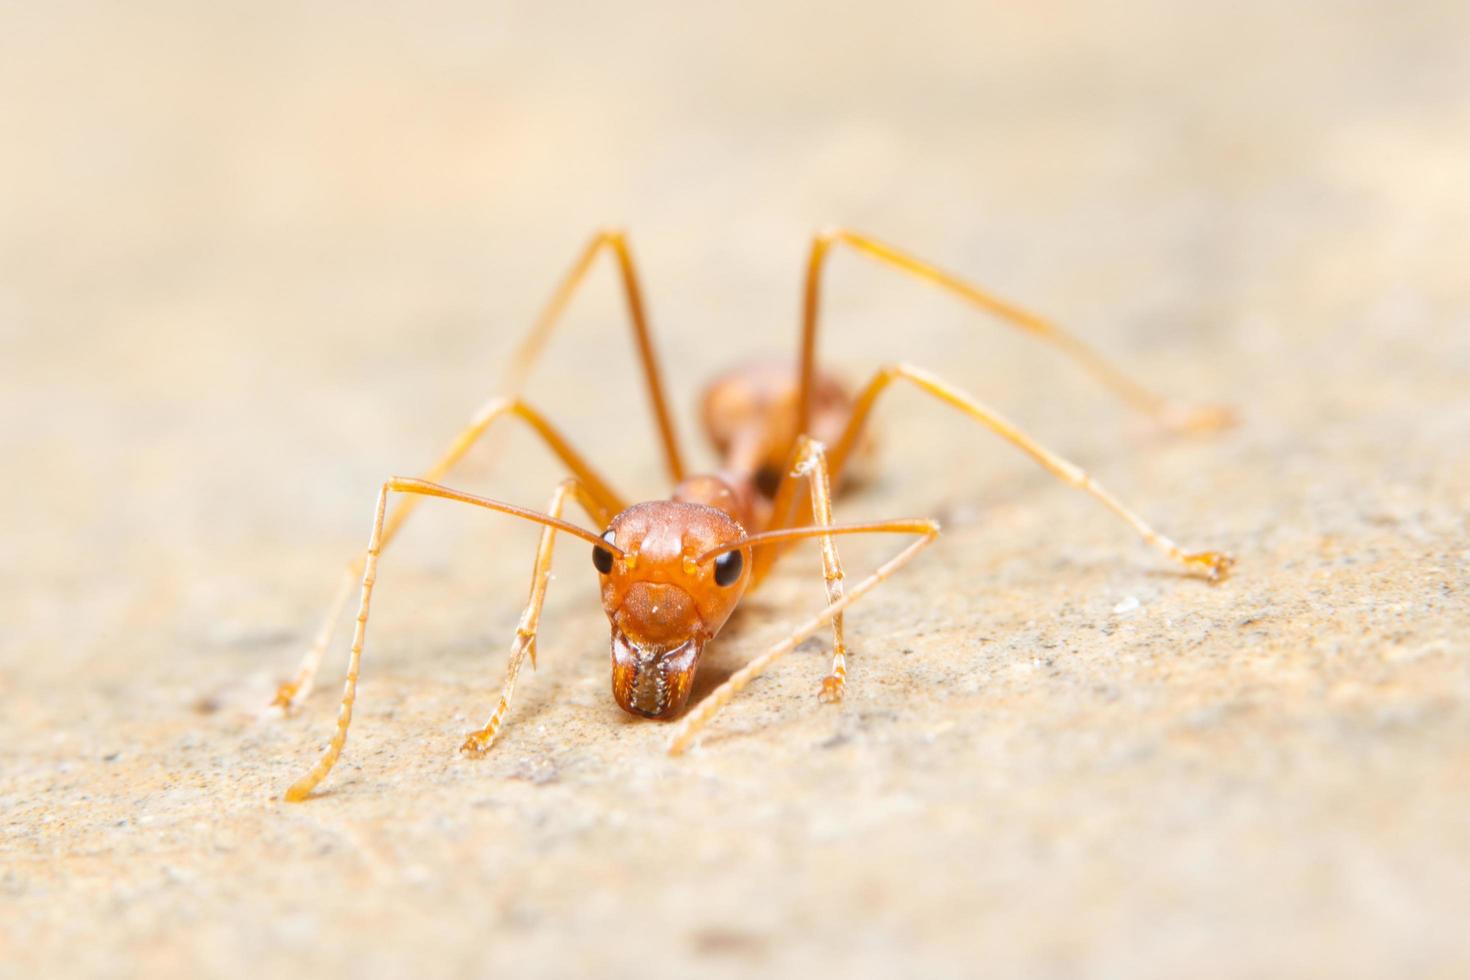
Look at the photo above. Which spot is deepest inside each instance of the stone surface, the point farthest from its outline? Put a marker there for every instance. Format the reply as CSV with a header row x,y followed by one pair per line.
x,y
256,259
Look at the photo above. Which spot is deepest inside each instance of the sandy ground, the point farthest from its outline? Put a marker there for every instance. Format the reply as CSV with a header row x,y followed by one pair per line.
x,y
255,259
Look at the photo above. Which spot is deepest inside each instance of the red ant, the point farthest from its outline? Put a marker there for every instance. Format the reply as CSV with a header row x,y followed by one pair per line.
x,y
673,570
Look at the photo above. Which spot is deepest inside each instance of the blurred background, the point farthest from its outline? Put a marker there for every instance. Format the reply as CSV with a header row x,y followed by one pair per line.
x,y
255,258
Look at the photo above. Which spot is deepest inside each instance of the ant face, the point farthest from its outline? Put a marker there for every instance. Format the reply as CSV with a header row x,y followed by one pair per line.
x,y
663,603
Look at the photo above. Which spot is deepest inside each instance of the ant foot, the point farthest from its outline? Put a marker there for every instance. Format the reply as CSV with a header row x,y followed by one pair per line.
x,y
476,744
1179,417
1215,564
831,692
285,698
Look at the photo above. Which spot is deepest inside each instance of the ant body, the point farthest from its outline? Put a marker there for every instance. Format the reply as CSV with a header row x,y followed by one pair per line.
x,y
672,571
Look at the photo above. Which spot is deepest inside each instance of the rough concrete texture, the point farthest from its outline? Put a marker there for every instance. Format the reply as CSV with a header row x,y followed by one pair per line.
x,y
256,258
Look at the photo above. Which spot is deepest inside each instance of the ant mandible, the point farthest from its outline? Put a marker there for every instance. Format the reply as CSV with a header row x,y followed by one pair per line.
x,y
673,570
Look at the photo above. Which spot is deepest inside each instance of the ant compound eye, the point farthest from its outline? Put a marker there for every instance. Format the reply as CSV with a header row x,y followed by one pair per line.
x,y
601,557
727,568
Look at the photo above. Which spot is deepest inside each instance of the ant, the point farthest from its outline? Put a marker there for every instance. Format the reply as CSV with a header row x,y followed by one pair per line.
x,y
672,571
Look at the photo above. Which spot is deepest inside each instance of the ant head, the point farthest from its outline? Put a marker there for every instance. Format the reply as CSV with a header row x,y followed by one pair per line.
x,y
666,596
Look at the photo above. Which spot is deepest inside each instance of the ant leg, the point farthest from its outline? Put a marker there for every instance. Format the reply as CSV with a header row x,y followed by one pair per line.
x,y
302,788
617,242
1171,413
1213,564
477,743
812,464
293,692
700,716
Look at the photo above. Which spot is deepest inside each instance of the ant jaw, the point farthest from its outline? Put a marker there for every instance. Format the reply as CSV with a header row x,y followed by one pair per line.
x,y
650,682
